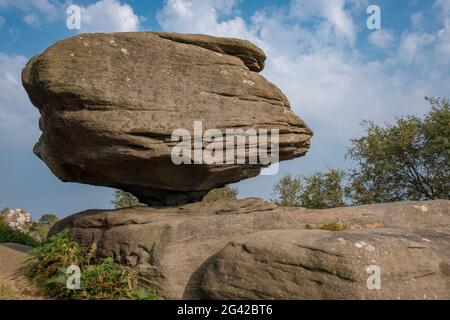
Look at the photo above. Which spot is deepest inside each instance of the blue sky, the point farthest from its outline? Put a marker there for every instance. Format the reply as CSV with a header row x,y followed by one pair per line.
x,y
334,71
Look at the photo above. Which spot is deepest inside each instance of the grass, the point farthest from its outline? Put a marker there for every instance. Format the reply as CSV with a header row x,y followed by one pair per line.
x,y
46,266
6,292
336,226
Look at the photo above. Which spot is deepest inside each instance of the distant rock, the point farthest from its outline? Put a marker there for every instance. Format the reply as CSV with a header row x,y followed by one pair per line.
x,y
109,104
189,251
17,219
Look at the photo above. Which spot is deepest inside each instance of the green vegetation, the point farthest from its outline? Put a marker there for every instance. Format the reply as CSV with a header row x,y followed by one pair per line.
x,y
337,226
226,193
39,229
318,191
9,235
46,266
407,160
288,191
124,199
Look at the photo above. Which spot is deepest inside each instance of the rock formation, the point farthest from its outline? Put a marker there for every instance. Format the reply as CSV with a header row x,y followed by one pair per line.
x,y
109,104
251,249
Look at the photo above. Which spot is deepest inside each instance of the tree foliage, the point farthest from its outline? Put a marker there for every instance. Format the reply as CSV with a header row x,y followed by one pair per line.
x,y
39,229
124,199
225,193
317,191
287,191
323,190
407,160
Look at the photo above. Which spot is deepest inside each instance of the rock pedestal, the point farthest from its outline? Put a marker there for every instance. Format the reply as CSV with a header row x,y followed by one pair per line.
x,y
251,249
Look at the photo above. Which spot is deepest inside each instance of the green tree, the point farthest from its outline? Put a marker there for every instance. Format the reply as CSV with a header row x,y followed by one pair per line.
x,y
39,229
287,191
407,160
323,190
225,193
49,219
317,191
124,199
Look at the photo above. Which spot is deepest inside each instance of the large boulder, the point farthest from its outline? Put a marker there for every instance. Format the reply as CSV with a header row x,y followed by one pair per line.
x,y
317,265
187,251
109,104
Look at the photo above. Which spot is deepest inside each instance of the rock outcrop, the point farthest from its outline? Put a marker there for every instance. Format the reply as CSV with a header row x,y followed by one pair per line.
x,y
17,219
252,249
321,265
109,104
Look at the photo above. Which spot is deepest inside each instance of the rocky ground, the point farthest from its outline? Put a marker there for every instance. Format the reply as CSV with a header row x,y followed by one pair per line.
x,y
252,249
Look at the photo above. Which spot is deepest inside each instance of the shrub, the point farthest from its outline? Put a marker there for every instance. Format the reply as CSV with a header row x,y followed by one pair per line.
x,y
336,226
39,229
9,235
124,199
225,193
46,267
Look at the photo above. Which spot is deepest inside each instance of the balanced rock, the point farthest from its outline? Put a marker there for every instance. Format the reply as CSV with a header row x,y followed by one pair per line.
x,y
109,104
248,249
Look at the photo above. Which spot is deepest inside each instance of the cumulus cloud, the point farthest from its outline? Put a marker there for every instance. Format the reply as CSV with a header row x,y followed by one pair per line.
x,y
331,14
36,11
32,20
382,39
109,16
201,15
315,59
101,16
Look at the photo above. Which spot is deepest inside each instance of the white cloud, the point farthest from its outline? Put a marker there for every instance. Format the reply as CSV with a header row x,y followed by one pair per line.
x,y
108,16
313,58
412,45
382,39
18,118
35,10
417,20
32,20
332,13
202,15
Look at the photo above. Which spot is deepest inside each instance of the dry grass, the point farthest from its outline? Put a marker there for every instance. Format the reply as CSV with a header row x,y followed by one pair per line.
x,y
336,226
6,291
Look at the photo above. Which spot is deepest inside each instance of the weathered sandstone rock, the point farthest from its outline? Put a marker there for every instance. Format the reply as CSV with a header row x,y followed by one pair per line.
x,y
316,264
109,104
179,251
